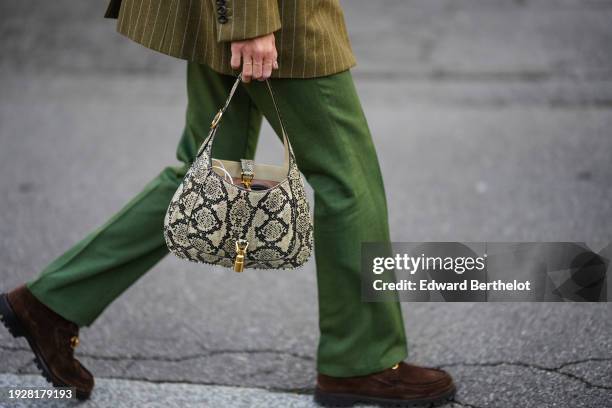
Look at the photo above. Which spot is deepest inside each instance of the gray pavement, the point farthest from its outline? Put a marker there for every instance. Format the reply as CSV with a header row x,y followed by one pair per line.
x,y
492,121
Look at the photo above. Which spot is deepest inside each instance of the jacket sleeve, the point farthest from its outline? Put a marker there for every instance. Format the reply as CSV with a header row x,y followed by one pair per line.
x,y
244,19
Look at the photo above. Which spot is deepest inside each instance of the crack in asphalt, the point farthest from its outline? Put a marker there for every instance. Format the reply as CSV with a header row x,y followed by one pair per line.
x,y
586,360
133,359
556,370
195,356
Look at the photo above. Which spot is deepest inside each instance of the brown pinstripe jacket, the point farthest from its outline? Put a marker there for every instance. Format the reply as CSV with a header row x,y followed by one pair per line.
x,y
311,36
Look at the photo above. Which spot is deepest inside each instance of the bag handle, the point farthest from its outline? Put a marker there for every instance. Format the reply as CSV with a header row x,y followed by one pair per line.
x,y
219,115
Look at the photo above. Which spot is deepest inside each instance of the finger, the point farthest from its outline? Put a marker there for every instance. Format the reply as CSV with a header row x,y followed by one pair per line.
x,y
257,67
247,68
236,57
267,69
274,60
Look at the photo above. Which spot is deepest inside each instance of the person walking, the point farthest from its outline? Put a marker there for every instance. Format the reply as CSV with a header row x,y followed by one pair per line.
x,y
305,47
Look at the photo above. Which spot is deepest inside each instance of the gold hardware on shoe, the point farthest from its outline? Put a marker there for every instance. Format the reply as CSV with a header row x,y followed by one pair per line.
x,y
241,246
74,342
395,367
216,120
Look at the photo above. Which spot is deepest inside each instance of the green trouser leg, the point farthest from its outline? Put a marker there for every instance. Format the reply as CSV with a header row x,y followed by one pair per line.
x,y
334,150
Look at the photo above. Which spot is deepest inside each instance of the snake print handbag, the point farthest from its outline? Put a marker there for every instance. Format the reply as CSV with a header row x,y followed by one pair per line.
x,y
240,214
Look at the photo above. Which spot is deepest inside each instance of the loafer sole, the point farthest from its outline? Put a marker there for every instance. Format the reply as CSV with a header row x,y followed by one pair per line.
x,y
15,327
328,399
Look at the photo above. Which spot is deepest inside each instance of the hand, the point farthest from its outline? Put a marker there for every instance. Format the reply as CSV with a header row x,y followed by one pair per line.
x,y
257,55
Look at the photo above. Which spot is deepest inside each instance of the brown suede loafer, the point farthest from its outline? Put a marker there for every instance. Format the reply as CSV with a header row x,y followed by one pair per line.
x,y
403,385
51,337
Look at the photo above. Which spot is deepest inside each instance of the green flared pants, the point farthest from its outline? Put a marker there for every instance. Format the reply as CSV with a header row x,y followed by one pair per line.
x,y
334,151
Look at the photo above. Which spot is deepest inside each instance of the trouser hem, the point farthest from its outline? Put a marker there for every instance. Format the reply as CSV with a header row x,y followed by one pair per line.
x,y
392,358
57,308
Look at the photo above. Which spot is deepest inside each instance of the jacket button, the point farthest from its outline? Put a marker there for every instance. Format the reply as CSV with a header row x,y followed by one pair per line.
x,y
222,19
221,10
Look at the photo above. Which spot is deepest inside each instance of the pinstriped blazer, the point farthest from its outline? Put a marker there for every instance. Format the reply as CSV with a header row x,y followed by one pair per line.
x,y
311,36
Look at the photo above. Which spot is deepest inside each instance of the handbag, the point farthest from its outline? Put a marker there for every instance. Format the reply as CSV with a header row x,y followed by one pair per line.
x,y
240,214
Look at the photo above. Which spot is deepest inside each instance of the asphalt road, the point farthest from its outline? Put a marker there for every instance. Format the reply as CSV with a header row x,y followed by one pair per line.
x,y
492,121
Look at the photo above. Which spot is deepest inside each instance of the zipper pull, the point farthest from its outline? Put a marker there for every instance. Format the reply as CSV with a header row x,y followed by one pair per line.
x,y
241,246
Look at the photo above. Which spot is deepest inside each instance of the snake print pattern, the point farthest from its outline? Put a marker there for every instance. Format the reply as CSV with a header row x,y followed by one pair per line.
x,y
207,215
